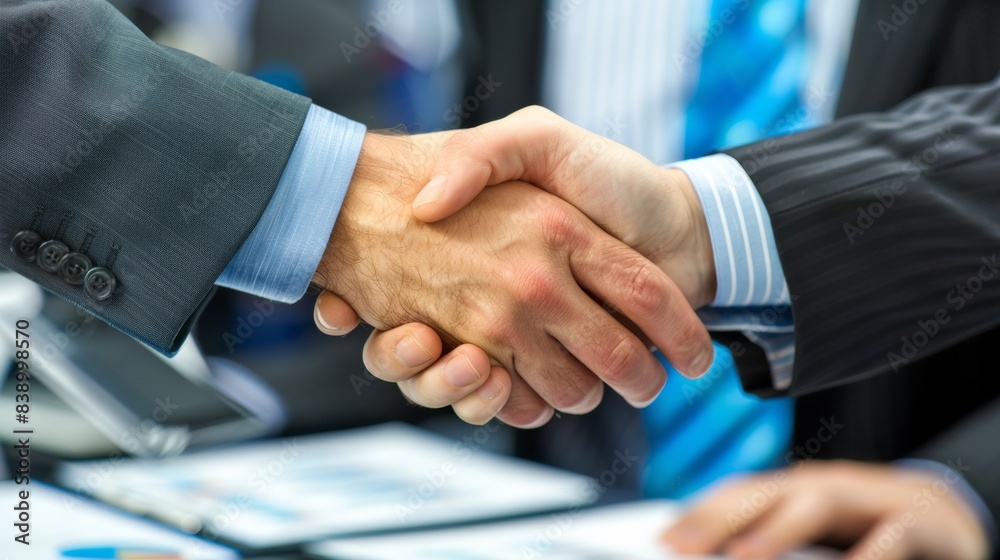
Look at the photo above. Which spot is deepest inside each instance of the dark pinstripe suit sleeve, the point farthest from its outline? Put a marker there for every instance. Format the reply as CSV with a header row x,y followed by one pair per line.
x,y
888,228
154,163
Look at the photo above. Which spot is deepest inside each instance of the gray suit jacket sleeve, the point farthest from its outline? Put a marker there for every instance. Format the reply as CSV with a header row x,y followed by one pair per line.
x,y
153,164
888,227
971,449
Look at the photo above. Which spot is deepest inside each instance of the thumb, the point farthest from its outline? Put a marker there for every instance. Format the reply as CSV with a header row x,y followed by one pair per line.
x,y
520,146
333,315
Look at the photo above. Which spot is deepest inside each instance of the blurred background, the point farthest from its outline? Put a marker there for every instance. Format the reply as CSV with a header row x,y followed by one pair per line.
x,y
263,370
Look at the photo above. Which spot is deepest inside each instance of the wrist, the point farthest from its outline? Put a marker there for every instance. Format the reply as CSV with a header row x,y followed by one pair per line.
x,y
385,179
692,262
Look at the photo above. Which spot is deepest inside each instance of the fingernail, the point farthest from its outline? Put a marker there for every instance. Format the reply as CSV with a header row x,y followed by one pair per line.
x,y
644,404
432,192
460,372
324,326
490,391
703,362
410,353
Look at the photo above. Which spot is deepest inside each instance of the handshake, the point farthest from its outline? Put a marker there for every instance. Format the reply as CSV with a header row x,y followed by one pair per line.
x,y
546,285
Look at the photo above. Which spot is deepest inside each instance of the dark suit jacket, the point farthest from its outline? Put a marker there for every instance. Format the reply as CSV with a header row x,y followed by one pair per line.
x,y
138,159
859,297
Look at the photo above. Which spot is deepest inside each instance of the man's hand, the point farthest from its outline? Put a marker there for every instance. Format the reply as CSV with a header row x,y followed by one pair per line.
x,y
653,210
870,507
516,274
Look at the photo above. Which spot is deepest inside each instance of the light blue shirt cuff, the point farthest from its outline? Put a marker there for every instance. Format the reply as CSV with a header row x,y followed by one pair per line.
x,y
278,260
746,256
752,296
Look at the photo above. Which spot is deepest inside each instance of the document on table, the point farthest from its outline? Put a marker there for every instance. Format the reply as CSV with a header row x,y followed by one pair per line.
x,y
385,478
620,532
64,526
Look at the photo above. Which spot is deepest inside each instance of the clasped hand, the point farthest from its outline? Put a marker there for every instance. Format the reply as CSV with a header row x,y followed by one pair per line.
x,y
545,286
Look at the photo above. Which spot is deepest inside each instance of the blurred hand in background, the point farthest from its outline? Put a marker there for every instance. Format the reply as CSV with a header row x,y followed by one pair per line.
x,y
884,512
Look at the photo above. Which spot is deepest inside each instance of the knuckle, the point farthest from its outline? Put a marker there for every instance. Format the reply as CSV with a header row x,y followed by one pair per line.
x,y
559,225
536,288
535,112
500,331
587,399
645,292
623,360
572,396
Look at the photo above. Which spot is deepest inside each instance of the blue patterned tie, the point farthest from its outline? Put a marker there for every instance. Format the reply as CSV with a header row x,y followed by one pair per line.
x,y
752,75
753,69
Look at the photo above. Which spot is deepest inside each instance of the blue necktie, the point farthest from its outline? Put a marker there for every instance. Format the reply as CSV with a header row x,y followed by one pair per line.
x,y
750,86
752,75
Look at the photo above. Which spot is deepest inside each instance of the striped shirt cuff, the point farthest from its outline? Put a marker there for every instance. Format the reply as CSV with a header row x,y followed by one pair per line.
x,y
746,256
752,296
278,260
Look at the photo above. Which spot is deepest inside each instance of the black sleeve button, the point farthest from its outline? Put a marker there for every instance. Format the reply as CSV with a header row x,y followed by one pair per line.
x,y
50,254
99,283
25,245
73,267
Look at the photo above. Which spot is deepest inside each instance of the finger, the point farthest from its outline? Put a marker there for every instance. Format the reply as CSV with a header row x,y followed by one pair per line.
x,y
795,521
556,375
713,521
486,402
884,542
638,289
490,154
333,315
450,379
524,407
399,354
603,347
